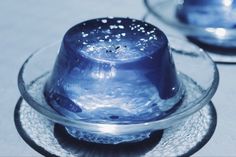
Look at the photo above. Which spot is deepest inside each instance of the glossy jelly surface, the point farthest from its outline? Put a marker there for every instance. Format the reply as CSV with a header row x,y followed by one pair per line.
x,y
114,70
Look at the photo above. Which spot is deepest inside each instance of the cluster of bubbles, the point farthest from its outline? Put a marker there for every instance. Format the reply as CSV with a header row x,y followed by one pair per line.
x,y
118,41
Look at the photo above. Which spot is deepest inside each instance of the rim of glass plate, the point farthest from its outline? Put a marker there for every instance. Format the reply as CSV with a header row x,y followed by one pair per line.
x,y
161,6
119,128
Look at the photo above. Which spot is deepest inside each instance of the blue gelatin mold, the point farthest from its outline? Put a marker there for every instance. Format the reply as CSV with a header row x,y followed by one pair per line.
x,y
114,71
114,80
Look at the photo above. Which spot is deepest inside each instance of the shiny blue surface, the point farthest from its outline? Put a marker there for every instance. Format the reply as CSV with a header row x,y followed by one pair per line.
x,y
114,70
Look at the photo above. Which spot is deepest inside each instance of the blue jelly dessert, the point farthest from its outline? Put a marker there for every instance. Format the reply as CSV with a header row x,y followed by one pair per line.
x,y
113,71
210,14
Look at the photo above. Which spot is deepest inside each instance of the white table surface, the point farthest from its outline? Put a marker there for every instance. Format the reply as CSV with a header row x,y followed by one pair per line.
x,y
27,25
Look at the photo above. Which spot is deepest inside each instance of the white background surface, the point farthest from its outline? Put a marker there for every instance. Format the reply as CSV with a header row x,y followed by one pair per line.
x,y
27,25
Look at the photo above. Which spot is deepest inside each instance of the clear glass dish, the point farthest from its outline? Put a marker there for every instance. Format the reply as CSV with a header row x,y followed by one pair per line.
x,y
166,10
219,55
195,69
183,139
171,25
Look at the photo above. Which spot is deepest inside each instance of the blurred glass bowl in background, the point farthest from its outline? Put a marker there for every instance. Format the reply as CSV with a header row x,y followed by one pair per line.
x,y
210,22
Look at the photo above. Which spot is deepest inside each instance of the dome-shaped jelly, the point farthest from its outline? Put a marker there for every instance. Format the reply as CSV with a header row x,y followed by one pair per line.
x,y
114,70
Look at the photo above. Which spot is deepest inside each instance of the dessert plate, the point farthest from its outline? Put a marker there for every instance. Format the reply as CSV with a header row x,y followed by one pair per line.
x,y
196,71
51,139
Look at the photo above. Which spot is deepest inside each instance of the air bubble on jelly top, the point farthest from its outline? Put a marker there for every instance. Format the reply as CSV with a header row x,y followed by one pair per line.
x,y
85,35
121,26
118,21
104,20
113,27
117,40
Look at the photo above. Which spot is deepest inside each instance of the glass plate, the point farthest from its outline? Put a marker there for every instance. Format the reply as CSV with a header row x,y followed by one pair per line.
x,y
195,68
50,139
